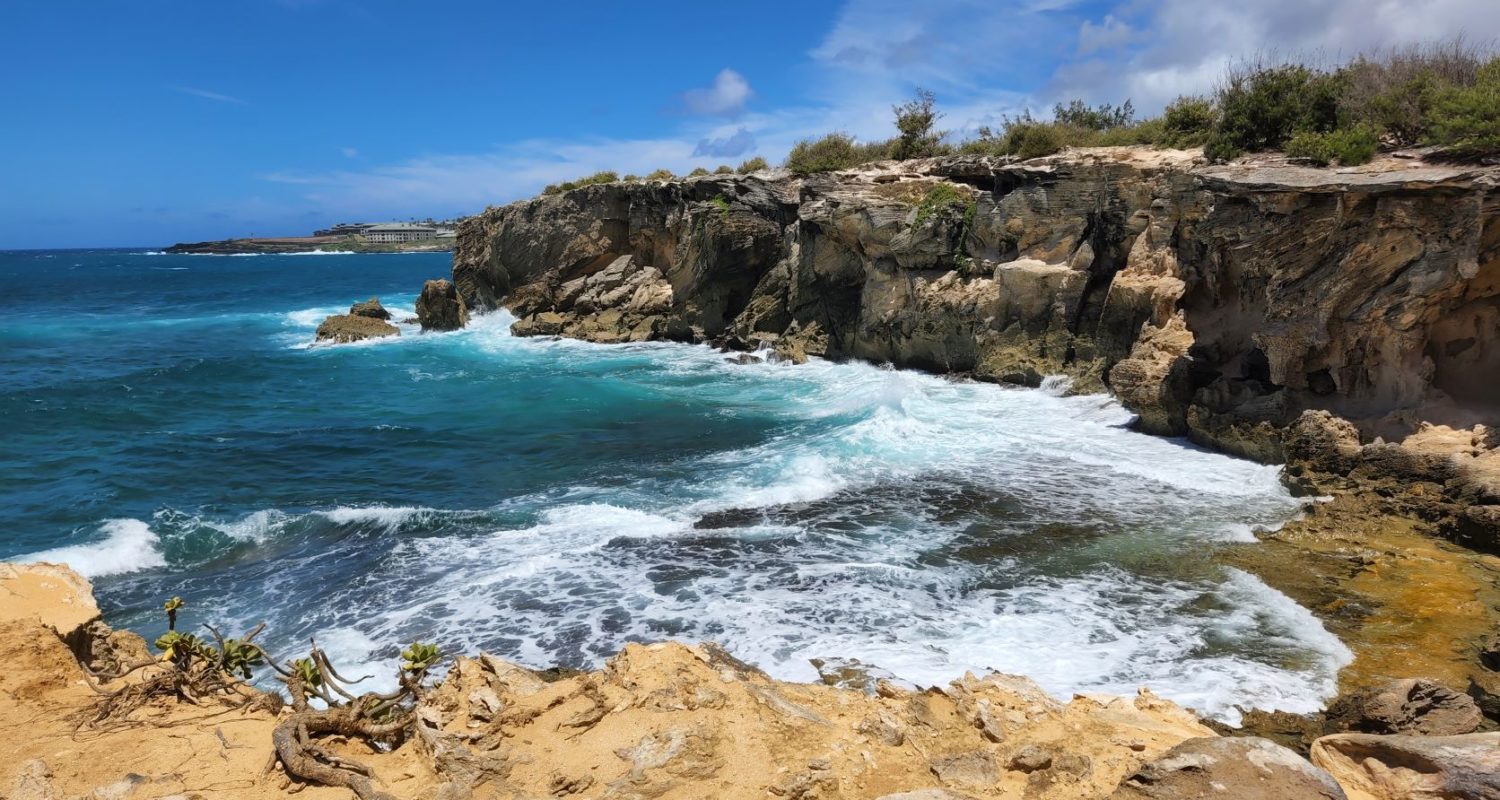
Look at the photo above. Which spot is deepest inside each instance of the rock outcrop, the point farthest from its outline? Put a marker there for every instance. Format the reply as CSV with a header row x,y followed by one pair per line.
x,y
1218,302
1243,768
346,328
370,308
1373,767
439,307
1412,706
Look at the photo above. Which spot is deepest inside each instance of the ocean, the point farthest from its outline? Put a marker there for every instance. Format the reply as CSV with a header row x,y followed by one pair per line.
x,y
171,429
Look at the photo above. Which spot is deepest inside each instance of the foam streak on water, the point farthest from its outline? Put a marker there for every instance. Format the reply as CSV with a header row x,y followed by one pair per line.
x,y
551,500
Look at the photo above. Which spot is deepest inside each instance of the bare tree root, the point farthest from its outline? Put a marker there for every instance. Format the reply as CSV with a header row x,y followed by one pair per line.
x,y
373,717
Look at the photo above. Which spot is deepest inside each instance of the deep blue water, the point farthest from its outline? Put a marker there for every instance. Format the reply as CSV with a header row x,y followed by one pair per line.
x,y
170,429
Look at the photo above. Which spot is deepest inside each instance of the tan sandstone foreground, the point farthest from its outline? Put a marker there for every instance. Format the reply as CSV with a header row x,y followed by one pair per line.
x,y
669,721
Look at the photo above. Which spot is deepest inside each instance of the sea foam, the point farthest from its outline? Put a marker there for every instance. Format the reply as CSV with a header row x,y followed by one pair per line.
x,y
128,545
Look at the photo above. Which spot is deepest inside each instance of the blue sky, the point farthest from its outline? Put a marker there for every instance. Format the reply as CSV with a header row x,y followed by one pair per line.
x,y
145,123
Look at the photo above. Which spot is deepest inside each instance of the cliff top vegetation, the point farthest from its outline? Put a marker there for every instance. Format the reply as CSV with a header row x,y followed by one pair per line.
x,y
1444,95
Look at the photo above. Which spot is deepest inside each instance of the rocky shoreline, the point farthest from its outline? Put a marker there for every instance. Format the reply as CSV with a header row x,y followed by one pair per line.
x,y
663,721
1345,322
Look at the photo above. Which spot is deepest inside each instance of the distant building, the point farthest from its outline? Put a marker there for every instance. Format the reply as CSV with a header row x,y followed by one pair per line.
x,y
390,232
345,229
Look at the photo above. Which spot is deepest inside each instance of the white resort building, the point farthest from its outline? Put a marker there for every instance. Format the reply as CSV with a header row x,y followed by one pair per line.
x,y
388,232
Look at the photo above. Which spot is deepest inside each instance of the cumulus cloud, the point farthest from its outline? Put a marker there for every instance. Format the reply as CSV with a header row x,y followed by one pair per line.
x,y
984,60
1152,51
726,96
738,143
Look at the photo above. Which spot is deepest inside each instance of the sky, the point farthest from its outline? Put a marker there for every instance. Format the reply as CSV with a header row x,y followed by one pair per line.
x,y
156,121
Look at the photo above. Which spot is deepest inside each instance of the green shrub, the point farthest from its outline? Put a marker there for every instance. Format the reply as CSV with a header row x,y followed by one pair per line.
x,y
1347,146
915,119
660,175
697,171
749,165
1395,92
940,197
1025,137
1188,122
722,204
631,178
1466,120
832,152
1103,117
723,169
1261,107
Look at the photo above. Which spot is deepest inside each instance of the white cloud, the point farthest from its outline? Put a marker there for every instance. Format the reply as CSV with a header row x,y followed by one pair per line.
x,y
1183,46
207,95
726,96
984,60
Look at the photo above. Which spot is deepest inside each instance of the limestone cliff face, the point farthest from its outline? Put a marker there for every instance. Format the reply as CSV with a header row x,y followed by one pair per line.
x,y
1217,302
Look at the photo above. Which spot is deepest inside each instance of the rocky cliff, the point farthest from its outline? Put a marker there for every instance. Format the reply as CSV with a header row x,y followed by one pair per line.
x,y
1218,302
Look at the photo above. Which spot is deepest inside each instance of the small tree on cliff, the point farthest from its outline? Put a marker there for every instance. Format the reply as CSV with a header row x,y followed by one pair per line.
x,y
915,120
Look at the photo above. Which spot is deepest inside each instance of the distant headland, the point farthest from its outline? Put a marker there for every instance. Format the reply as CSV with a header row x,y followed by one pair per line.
x,y
356,237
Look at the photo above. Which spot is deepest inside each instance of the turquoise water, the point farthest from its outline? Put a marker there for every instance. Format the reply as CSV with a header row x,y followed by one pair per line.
x,y
172,430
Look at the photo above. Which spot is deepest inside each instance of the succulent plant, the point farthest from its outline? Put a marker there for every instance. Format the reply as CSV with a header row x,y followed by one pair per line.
x,y
420,656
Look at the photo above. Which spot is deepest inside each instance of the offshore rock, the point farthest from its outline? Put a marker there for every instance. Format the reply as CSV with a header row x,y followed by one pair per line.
x,y
346,328
1217,302
439,307
1243,768
1374,767
370,308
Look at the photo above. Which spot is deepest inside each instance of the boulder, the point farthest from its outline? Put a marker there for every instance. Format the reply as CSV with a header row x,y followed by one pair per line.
x,y
1322,442
440,308
1239,768
1413,705
1484,688
1372,767
370,308
345,328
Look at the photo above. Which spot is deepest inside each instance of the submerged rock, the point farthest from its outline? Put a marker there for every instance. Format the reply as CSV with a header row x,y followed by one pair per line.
x,y
345,328
1242,769
370,308
439,308
1375,767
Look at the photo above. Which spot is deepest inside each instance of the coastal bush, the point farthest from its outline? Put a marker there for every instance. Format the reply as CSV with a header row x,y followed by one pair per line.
x,y
631,178
1465,120
939,198
660,175
1103,117
1188,121
832,152
723,169
603,176
1261,107
1348,146
749,165
915,120
697,171
1395,92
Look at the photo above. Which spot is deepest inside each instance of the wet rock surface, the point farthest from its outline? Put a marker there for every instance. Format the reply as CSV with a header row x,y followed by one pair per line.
x,y
440,308
346,328
370,308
